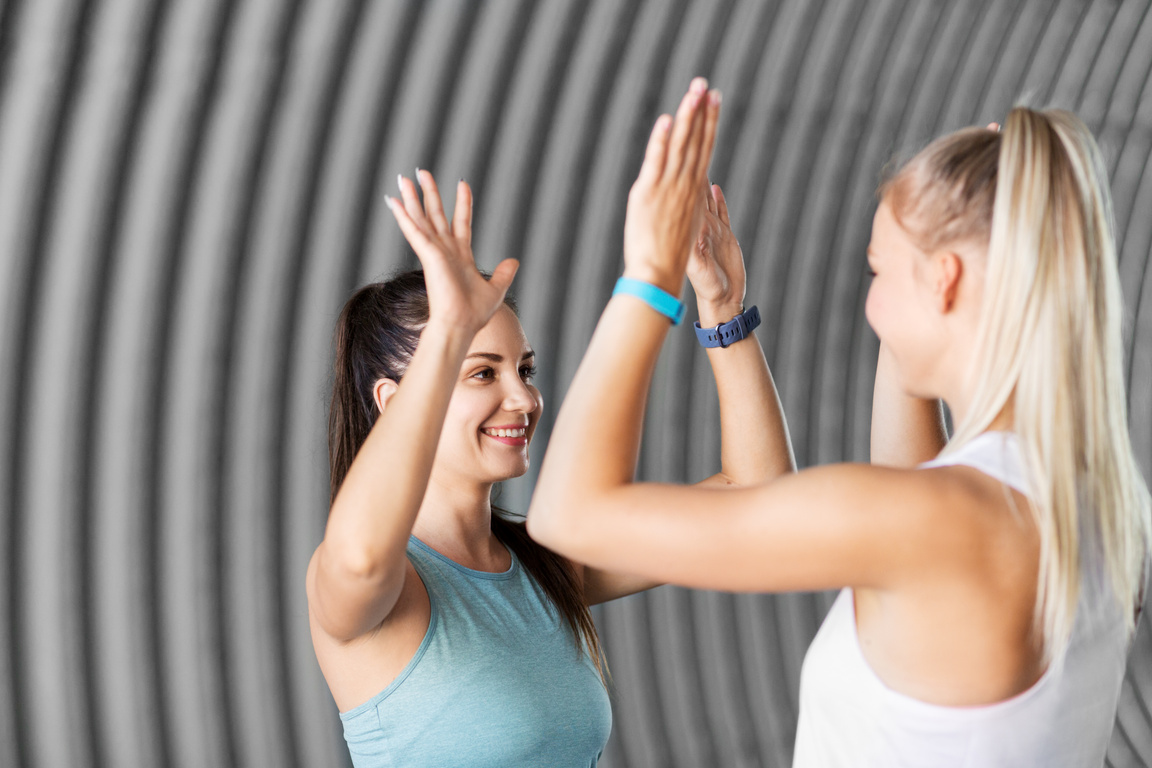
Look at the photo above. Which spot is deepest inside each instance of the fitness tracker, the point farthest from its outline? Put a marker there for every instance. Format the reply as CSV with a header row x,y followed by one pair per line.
x,y
660,300
727,334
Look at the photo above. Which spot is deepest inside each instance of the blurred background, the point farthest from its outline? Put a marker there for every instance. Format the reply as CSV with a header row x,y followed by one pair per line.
x,y
189,189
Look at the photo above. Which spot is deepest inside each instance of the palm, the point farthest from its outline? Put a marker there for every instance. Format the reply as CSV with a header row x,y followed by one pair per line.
x,y
716,266
457,293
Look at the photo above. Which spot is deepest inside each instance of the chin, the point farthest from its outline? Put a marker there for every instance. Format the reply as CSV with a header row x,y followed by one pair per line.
x,y
916,387
499,475
519,471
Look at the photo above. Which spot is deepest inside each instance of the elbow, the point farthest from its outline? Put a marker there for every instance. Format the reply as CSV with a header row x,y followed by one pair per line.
x,y
555,527
355,563
543,525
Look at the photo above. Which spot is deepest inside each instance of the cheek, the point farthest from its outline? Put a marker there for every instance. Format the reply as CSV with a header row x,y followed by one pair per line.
x,y
467,410
535,415
874,309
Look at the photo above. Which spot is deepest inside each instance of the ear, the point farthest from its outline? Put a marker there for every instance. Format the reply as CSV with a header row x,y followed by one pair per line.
x,y
947,269
382,391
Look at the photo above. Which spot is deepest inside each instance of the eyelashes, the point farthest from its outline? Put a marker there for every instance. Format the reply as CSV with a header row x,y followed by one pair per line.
x,y
527,372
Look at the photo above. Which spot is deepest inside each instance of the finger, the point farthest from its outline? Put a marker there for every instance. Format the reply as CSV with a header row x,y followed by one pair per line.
x,y
711,120
693,146
432,202
994,127
721,205
503,274
657,151
709,200
412,205
416,237
682,127
462,217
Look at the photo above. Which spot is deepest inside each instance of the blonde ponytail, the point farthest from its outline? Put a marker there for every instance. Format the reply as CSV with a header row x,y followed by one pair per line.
x,y
1048,342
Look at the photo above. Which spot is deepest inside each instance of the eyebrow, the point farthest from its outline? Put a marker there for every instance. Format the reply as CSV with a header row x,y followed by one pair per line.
x,y
495,358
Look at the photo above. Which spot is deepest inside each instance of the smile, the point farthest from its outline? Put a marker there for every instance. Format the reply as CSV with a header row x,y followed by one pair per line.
x,y
515,432
515,436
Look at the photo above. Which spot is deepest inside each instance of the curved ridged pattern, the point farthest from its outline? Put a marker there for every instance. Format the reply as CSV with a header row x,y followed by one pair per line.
x,y
191,188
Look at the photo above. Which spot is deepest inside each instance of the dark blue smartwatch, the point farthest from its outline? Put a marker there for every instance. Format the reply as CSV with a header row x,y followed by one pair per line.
x,y
727,334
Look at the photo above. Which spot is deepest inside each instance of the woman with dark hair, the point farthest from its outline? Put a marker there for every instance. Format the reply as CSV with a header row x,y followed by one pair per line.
x,y
447,636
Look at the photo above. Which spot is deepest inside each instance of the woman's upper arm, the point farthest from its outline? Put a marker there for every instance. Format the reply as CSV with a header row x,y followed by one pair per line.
x,y
348,602
600,586
823,528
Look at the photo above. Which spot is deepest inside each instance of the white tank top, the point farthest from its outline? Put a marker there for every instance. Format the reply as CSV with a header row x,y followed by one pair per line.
x,y
849,717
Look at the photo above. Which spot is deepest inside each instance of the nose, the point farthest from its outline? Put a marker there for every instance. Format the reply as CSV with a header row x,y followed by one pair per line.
x,y
518,396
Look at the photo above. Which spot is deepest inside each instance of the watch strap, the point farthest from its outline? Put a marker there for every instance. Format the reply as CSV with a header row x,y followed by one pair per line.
x,y
727,334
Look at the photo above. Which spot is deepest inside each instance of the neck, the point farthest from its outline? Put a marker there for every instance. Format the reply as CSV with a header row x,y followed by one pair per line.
x,y
456,519
956,380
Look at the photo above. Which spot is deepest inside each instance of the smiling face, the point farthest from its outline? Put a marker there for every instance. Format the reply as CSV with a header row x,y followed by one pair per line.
x,y
494,408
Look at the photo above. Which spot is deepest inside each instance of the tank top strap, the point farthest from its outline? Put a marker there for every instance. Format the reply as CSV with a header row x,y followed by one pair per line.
x,y
996,454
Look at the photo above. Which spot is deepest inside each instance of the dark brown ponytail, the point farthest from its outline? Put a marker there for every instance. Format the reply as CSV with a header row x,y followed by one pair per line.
x,y
376,336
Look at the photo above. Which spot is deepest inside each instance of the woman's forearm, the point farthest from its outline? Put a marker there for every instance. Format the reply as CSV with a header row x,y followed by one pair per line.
x,y
906,430
595,443
754,442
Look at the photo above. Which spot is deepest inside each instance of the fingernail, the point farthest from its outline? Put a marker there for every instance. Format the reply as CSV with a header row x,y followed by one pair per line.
x,y
389,202
699,84
714,98
400,181
417,171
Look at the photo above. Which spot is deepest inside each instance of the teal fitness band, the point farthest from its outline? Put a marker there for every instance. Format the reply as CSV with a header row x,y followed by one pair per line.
x,y
660,300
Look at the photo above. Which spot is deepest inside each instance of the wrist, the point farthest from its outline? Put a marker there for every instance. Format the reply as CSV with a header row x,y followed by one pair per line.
x,y
662,279
448,333
726,333
714,313
655,297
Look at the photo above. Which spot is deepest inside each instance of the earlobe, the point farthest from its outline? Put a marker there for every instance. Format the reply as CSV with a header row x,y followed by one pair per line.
x,y
382,392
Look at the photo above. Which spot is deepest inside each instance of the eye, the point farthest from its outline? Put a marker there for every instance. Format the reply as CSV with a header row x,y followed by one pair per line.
x,y
483,374
527,372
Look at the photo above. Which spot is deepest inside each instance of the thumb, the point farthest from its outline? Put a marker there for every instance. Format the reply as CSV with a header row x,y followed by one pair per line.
x,y
502,276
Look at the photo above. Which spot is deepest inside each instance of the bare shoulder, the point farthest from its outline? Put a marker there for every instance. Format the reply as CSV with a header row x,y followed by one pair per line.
x,y
970,525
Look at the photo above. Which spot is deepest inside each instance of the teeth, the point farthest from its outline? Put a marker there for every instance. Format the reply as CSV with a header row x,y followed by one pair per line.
x,y
506,432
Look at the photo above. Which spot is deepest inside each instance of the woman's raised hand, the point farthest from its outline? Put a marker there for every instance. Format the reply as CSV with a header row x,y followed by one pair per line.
x,y
716,266
665,208
458,295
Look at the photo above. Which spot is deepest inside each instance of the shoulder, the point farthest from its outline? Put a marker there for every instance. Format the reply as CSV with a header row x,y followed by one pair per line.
x,y
920,520
965,520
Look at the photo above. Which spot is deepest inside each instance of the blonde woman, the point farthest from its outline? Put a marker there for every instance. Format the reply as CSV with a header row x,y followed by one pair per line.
x,y
988,596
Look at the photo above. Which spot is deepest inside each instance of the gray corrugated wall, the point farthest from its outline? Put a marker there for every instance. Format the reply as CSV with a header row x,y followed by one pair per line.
x,y
190,188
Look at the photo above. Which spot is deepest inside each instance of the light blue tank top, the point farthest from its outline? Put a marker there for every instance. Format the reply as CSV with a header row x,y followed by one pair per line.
x,y
497,682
